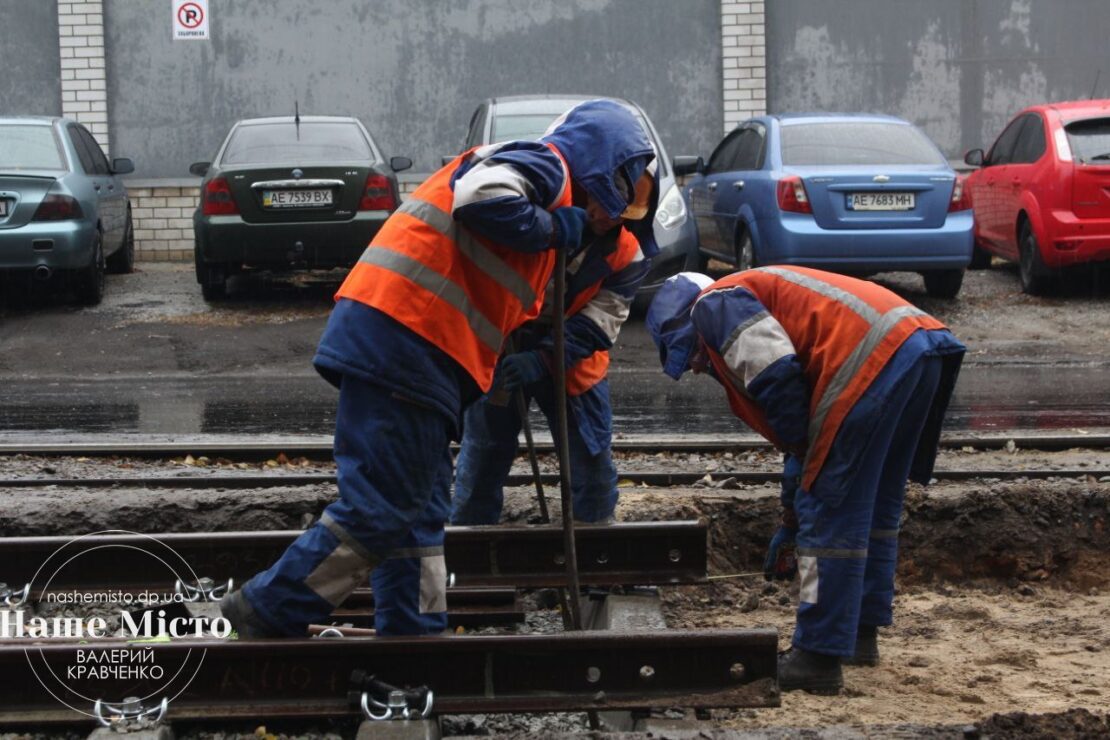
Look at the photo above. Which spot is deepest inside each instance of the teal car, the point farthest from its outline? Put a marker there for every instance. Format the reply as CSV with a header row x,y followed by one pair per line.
x,y
64,211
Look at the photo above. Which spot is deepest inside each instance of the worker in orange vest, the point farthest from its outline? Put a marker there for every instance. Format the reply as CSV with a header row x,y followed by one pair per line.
x,y
851,382
601,284
414,338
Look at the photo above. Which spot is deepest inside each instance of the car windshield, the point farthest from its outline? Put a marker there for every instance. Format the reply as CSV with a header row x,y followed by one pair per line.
x,y
512,128
1090,140
282,143
856,143
25,147
530,126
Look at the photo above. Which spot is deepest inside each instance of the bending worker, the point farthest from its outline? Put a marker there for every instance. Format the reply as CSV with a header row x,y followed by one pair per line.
x,y
414,337
601,283
852,382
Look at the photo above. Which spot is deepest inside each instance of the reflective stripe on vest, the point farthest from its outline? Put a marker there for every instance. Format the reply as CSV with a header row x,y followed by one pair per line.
x,y
867,324
461,292
591,370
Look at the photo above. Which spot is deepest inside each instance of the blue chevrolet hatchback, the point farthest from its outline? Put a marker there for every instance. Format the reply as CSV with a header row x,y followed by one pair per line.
x,y
63,208
850,193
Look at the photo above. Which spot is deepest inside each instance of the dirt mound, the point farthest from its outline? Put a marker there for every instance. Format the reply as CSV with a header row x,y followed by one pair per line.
x,y
1075,723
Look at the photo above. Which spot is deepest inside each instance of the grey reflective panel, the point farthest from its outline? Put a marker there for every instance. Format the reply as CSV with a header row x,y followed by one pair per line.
x,y
475,251
442,287
865,312
844,374
740,330
345,537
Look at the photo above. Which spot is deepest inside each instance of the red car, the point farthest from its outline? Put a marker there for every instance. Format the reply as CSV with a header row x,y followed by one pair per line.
x,y
1041,197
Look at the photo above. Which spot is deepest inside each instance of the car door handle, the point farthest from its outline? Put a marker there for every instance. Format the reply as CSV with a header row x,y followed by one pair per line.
x,y
712,187
738,185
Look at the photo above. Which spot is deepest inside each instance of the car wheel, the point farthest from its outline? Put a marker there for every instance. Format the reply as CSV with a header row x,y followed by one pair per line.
x,y
90,280
212,278
123,260
943,283
214,291
745,252
980,258
1034,274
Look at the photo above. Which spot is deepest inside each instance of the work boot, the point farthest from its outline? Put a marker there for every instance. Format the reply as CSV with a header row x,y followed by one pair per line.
x,y
811,672
867,647
237,610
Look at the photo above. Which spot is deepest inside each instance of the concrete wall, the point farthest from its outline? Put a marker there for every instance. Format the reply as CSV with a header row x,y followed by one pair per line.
x,y
412,70
960,69
30,81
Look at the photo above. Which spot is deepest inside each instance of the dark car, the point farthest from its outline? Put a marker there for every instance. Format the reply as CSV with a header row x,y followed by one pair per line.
x,y
296,192
63,207
528,116
1042,195
853,193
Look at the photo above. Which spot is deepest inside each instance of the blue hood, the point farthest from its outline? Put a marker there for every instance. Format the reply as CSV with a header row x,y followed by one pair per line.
x,y
597,138
668,320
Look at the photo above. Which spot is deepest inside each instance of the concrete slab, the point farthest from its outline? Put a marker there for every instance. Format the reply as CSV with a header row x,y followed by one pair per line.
x,y
419,729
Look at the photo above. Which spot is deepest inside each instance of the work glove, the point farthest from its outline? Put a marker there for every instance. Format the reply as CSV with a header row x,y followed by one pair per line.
x,y
569,222
520,369
782,561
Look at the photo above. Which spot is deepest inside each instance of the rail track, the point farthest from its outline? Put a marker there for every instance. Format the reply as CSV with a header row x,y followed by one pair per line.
x,y
636,478
314,677
320,448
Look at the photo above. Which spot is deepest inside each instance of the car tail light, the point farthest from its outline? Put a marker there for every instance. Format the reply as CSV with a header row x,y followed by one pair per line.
x,y
792,195
217,199
961,200
378,195
58,207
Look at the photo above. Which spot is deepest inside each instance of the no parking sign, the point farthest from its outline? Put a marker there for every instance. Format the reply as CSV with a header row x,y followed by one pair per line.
x,y
190,20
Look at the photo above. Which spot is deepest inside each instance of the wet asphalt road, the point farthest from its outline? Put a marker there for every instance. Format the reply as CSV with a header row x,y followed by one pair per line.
x,y
154,360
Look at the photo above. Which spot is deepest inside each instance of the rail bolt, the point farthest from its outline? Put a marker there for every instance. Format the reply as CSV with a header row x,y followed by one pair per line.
x,y
647,673
593,674
737,671
674,555
602,558
560,559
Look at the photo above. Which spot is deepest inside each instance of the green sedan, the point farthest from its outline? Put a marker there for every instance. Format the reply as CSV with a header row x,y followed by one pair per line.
x,y
295,192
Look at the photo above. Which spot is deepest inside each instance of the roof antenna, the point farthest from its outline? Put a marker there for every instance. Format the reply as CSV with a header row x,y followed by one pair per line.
x,y
1095,86
297,118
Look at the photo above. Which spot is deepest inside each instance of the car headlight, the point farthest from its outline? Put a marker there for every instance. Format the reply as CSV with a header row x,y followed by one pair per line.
x,y
672,209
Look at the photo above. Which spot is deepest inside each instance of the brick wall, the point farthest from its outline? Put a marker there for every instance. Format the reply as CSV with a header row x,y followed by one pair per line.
x,y
163,216
81,43
743,61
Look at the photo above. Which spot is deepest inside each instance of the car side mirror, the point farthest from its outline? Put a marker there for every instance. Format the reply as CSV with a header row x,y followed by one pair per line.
x,y
687,165
199,168
974,158
122,166
399,163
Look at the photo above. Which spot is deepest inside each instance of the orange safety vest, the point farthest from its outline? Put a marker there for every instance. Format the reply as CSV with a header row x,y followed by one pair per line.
x,y
844,331
591,370
460,291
